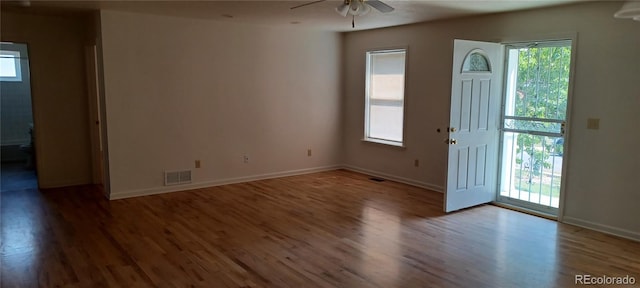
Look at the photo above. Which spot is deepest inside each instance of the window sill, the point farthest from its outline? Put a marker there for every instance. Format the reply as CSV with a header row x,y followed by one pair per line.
x,y
394,144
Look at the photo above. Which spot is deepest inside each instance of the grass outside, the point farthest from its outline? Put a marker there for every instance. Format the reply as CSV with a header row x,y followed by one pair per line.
x,y
537,185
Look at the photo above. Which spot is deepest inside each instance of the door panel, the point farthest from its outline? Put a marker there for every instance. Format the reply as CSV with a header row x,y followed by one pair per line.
x,y
465,106
463,168
481,160
483,110
473,133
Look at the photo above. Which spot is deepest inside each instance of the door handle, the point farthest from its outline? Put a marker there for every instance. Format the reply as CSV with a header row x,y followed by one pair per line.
x,y
451,129
453,142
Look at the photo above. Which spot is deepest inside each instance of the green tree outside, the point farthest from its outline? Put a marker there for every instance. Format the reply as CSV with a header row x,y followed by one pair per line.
x,y
541,92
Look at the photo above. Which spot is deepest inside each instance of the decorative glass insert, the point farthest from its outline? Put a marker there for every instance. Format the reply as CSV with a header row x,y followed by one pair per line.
x,y
476,62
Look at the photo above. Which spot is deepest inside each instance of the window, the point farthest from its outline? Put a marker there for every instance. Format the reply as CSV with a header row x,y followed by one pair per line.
x,y
476,62
10,66
384,96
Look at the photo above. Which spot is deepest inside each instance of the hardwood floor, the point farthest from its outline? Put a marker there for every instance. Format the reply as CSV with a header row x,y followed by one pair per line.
x,y
331,229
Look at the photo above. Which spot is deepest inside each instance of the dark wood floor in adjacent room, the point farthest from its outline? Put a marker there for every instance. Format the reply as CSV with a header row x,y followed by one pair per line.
x,y
330,229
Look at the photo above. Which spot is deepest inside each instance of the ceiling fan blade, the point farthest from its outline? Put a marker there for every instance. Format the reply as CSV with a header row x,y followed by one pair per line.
x,y
379,5
305,4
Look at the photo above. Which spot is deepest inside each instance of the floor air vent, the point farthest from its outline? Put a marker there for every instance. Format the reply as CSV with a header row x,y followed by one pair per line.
x,y
177,177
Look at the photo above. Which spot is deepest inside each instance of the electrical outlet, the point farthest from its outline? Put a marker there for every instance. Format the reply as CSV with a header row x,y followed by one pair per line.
x,y
309,152
197,163
246,159
416,163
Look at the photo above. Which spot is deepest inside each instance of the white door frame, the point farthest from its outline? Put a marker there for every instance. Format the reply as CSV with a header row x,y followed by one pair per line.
x,y
567,36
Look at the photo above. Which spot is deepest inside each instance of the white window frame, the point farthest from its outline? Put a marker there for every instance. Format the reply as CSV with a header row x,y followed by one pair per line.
x,y
16,56
367,137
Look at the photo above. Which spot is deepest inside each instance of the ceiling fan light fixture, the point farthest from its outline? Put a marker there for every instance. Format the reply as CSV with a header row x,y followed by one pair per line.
x,y
355,7
630,9
358,8
343,10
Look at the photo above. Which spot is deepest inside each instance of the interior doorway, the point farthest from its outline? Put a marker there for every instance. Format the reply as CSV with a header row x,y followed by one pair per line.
x,y
18,155
534,125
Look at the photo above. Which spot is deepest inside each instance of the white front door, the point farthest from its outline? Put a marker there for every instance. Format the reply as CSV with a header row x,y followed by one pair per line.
x,y
473,126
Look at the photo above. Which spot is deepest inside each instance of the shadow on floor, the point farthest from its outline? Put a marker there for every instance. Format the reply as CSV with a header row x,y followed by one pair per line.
x,y
16,176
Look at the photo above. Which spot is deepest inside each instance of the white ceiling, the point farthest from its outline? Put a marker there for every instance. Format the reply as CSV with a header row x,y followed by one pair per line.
x,y
320,16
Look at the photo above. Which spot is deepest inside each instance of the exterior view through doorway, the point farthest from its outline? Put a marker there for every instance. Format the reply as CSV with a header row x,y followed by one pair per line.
x,y
534,125
507,129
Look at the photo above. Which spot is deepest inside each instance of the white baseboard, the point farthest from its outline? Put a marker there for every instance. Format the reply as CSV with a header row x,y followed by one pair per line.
x,y
602,228
404,180
206,184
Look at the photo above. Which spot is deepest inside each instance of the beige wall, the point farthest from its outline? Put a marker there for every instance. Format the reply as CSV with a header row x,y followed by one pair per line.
x,y
60,113
178,90
603,164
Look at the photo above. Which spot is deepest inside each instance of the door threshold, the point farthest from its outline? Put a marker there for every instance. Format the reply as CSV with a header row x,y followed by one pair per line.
x,y
526,211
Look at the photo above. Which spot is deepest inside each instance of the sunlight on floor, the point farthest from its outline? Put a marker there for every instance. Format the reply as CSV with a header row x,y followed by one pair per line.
x,y
380,260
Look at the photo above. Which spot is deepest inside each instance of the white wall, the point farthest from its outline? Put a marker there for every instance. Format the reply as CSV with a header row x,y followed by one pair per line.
x,y
178,90
603,165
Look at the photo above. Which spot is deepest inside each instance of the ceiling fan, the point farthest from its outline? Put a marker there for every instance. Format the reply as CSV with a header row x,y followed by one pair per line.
x,y
355,7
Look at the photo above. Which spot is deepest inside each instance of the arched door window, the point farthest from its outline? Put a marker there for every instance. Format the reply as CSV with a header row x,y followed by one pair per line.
x,y
476,61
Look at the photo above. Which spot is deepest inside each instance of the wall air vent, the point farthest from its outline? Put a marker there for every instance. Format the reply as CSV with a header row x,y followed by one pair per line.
x,y
177,177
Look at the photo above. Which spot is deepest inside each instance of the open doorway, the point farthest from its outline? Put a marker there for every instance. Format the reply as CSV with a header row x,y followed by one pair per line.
x,y
18,141
534,125
522,148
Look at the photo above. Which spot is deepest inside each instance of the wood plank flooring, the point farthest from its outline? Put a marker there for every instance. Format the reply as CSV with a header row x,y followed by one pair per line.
x,y
330,229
